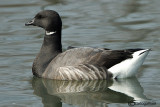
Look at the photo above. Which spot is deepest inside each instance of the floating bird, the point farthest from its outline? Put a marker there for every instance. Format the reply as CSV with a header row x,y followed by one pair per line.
x,y
84,63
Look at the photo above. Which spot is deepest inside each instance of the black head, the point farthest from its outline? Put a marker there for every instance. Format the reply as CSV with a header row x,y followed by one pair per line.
x,y
47,19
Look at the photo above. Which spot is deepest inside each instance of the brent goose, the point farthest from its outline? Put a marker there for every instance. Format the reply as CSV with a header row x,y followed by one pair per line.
x,y
85,63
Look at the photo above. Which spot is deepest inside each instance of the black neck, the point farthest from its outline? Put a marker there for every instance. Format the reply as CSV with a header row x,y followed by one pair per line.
x,y
51,47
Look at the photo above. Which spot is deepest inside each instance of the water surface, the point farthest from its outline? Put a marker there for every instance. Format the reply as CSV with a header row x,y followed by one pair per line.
x,y
116,24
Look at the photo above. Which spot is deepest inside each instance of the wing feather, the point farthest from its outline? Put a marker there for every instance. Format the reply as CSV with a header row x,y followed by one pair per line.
x,y
82,60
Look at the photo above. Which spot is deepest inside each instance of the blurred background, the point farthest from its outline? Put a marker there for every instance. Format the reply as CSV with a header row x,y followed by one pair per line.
x,y
115,24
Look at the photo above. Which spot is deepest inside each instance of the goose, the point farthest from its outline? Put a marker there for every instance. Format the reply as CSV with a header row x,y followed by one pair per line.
x,y
83,63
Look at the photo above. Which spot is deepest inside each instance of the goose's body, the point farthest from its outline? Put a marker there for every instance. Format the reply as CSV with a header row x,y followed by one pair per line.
x,y
84,63
88,64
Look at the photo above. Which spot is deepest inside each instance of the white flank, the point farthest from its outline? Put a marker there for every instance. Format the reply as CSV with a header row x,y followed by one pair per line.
x,y
49,33
129,67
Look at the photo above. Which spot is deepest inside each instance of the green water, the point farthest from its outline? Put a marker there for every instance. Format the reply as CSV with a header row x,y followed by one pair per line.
x,y
115,24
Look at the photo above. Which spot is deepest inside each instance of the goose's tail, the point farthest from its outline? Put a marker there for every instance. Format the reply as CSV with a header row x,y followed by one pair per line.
x,y
129,67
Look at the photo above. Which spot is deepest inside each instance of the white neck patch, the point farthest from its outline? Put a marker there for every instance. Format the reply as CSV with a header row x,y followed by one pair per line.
x,y
50,33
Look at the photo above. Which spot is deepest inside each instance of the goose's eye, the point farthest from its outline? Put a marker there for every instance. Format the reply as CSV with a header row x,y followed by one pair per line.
x,y
39,17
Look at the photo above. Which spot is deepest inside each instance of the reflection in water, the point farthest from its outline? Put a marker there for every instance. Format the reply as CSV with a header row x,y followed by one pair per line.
x,y
87,93
115,24
130,87
41,91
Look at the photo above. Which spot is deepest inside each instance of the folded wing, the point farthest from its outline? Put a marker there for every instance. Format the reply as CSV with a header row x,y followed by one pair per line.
x,y
85,63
